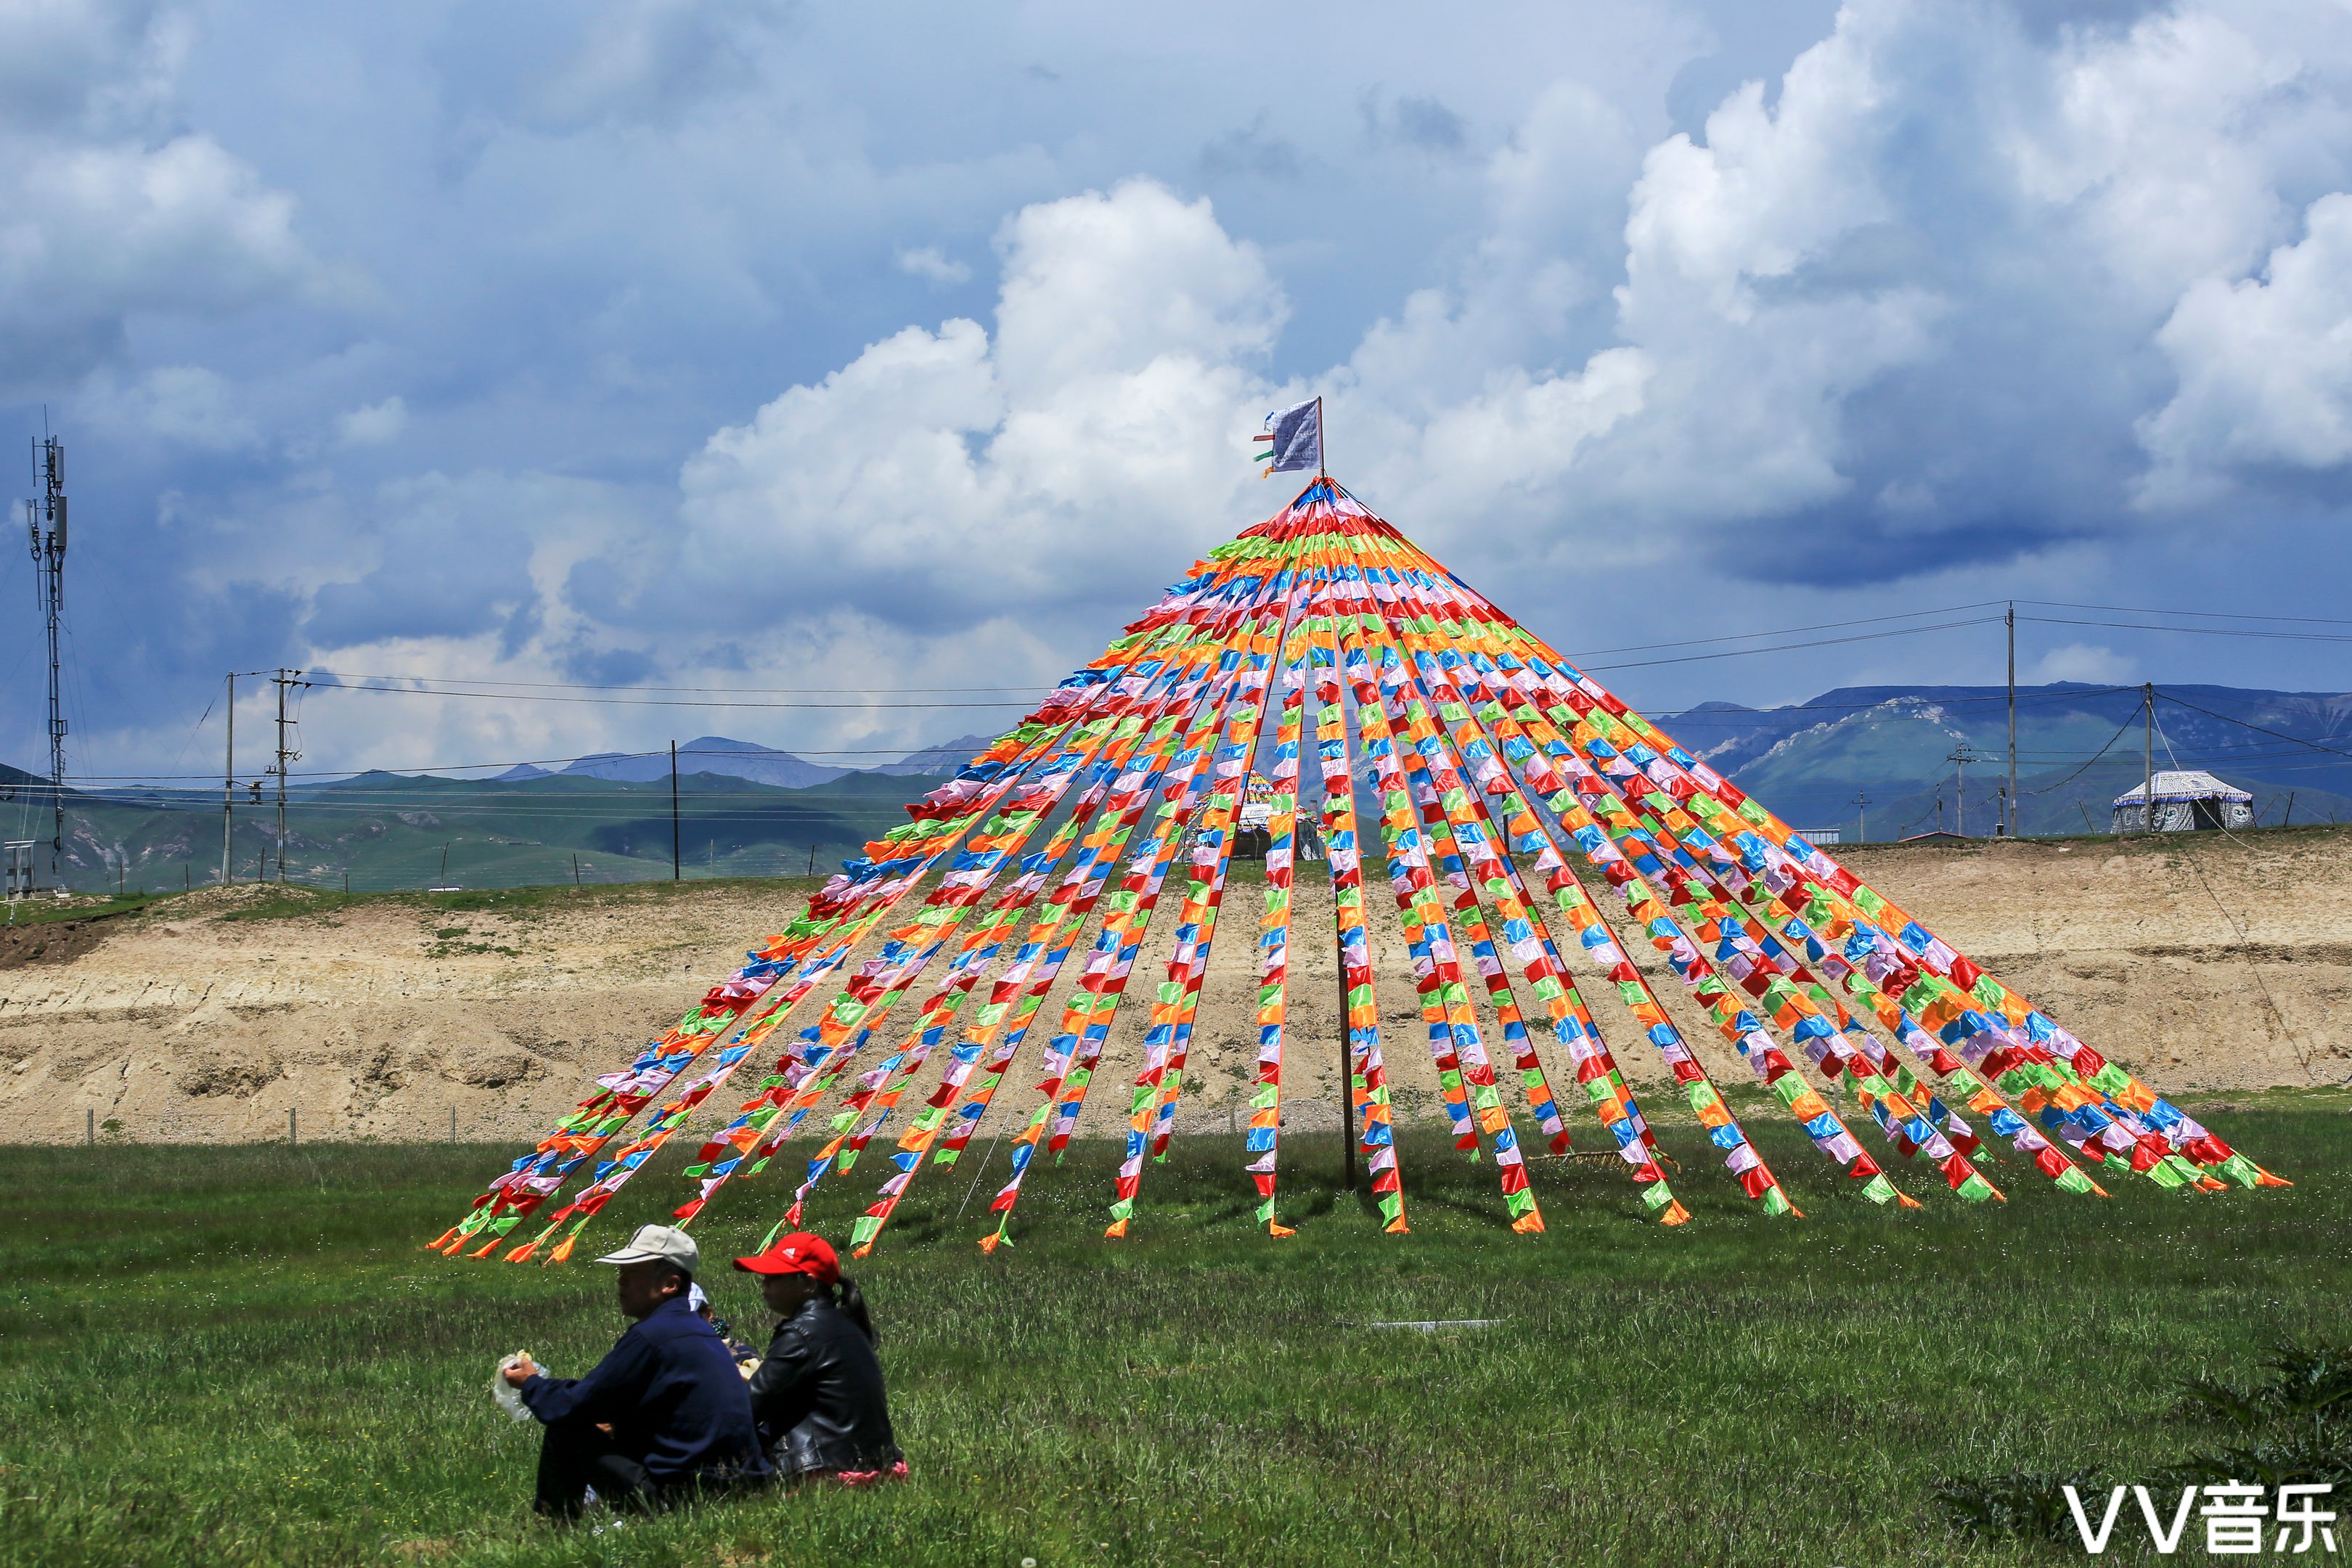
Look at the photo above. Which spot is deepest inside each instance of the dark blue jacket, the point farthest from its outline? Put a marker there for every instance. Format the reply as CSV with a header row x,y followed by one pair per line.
x,y
675,1402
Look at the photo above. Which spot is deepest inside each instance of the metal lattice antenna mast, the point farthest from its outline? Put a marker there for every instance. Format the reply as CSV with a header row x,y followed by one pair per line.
x,y
46,520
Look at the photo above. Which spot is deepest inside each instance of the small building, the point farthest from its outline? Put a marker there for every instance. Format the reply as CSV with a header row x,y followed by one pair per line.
x,y
2187,800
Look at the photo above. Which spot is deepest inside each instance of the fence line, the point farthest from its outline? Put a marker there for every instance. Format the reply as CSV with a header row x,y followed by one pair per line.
x,y
285,1125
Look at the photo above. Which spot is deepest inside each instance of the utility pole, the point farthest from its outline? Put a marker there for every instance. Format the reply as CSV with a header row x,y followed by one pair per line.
x,y
1961,757
674,873
228,782
282,679
2009,801
1861,817
46,520
2148,757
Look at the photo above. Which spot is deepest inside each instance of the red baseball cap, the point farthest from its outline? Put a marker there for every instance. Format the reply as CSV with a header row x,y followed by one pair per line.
x,y
799,1253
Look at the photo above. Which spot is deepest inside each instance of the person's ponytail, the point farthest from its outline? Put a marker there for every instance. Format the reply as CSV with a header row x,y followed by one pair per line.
x,y
852,1302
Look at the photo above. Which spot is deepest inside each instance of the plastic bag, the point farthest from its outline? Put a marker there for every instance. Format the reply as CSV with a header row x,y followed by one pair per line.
x,y
510,1397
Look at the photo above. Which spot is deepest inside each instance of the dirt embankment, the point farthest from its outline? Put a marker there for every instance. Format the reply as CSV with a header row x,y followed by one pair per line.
x,y
2209,965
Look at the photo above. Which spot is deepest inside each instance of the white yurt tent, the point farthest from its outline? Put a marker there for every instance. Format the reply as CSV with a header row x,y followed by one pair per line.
x,y
2186,801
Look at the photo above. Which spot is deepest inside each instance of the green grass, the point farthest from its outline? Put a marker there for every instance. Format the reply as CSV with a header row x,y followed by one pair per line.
x,y
239,1355
47,911
291,900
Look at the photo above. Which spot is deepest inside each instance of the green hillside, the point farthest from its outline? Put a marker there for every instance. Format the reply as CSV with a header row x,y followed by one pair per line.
x,y
384,831
2077,749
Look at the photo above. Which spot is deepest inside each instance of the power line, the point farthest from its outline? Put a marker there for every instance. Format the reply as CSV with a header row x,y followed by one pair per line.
x,y
2195,631
1730,716
659,701
1785,647
331,677
2205,614
430,770
2094,756
1791,631
2247,724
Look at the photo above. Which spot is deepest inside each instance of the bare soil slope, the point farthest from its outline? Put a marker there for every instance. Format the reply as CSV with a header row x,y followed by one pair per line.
x,y
2208,966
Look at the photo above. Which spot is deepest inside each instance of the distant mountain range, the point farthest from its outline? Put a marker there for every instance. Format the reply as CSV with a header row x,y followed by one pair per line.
x,y
1896,745
749,760
1880,758
744,809
947,757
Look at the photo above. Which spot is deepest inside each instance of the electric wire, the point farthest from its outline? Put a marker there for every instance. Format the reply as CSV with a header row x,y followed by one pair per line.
x,y
1785,647
2249,724
2207,614
664,701
2078,772
1791,631
2194,631
2238,928
334,679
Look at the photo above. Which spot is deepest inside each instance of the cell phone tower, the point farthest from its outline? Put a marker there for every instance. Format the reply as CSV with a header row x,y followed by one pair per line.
x,y
46,520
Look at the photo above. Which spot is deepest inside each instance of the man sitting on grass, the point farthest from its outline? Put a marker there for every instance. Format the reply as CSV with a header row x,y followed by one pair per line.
x,y
665,1414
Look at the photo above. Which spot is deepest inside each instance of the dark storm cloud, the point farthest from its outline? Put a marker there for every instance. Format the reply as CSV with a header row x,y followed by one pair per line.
x,y
1952,292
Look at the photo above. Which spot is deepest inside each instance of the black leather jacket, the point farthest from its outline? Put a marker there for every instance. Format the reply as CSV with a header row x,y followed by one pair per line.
x,y
817,1396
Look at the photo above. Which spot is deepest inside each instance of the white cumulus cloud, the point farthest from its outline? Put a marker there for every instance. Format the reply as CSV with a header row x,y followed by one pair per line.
x,y
946,475
374,424
928,263
2265,364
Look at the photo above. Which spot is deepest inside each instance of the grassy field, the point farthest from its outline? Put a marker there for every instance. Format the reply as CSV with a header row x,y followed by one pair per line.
x,y
239,1356
272,902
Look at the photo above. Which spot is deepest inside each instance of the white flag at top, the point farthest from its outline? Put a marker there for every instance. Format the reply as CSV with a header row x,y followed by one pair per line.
x,y
1294,438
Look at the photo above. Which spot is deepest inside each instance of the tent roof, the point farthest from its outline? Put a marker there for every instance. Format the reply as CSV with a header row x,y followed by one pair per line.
x,y
2188,784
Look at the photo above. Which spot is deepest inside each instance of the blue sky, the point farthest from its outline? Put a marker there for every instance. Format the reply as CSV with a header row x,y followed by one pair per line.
x,y
727,343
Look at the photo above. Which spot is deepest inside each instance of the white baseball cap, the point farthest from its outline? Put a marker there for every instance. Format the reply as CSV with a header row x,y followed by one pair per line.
x,y
659,1243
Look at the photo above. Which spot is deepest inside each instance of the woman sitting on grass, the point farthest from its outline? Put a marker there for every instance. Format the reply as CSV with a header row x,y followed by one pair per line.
x,y
818,1395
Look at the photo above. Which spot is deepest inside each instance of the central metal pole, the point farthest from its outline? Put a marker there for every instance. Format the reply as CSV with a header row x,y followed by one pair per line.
x,y
674,873
2147,756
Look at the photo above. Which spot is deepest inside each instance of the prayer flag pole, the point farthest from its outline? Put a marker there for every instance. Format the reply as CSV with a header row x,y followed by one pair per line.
x,y
1455,705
